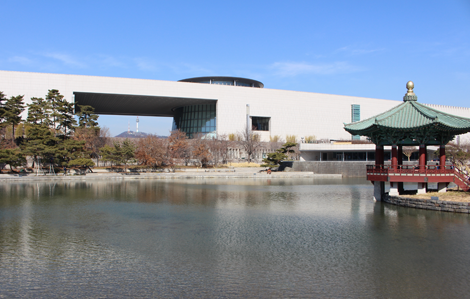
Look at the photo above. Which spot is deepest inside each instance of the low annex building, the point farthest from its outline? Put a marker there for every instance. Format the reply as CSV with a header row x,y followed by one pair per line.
x,y
211,105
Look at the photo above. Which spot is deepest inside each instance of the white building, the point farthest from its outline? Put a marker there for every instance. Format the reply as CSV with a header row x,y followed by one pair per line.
x,y
211,105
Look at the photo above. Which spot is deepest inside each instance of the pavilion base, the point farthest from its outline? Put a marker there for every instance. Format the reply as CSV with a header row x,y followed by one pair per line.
x,y
378,190
421,188
393,189
442,187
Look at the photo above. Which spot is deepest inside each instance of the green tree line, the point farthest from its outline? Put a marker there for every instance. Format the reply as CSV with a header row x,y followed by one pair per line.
x,y
51,133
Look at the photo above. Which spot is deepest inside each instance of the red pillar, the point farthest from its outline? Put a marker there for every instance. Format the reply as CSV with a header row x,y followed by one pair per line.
x,y
394,156
400,155
379,156
422,156
442,156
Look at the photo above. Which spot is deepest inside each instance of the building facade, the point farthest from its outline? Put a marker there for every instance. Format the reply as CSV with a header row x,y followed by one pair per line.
x,y
211,105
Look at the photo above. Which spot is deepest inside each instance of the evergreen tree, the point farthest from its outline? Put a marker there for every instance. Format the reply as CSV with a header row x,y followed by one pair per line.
x,y
274,159
12,112
2,108
127,152
14,157
119,153
82,162
108,154
61,116
66,120
41,142
87,117
54,98
39,112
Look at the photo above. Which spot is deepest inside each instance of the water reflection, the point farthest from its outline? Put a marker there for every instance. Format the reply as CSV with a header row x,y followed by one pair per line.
x,y
225,238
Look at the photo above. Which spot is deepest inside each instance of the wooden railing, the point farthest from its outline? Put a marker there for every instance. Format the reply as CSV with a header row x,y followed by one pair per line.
x,y
410,169
462,176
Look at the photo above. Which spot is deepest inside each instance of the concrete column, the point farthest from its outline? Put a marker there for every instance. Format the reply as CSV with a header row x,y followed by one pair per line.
x,y
422,156
421,188
393,189
442,156
378,191
441,187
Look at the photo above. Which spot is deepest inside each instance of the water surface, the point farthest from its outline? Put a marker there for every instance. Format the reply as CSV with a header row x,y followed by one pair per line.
x,y
225,238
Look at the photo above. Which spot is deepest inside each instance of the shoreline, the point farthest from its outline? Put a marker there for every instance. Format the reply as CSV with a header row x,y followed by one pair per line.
x,y
429,204
10,178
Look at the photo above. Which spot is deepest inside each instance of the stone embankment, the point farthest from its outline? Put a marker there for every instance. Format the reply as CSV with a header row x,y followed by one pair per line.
x,y
429,204
254,173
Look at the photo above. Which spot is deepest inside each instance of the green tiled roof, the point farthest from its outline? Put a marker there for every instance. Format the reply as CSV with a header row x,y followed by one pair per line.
x,y
409,116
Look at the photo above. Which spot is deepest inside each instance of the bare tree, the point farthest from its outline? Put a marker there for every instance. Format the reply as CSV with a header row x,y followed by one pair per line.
x,y
151,151
201,149
458,153
178,148
408,151
95,139
223,147
250,142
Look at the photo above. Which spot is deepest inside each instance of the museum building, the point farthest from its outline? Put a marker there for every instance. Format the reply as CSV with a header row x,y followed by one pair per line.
x,y
213,105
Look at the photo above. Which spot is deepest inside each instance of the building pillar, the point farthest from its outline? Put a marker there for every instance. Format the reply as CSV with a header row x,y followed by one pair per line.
x,y
422,156
442,156
393,189
421,188
400,155
394,157
379,156
378,191
441,187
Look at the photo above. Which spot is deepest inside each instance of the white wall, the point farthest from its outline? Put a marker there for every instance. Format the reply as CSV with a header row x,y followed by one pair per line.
x,y
292,112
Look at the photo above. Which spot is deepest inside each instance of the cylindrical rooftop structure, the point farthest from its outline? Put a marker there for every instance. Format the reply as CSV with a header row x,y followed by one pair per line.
x,y
224,80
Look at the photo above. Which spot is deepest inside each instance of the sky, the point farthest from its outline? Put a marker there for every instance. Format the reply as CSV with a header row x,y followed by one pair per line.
x,y
356,48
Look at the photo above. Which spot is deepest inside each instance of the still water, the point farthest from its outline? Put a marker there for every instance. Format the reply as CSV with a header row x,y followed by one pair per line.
x,y
225,238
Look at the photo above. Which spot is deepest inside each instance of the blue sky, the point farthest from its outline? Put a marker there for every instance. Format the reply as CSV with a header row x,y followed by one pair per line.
x,y
357,48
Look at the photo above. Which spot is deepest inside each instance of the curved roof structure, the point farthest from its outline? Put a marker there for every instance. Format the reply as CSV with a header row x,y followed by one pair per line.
x,y
410,123
225,80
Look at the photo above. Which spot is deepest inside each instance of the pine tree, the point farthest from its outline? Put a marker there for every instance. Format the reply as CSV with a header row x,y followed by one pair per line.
x,y
127,152
12,112
14,157
274,159
2,108
39,112
66,120
87,117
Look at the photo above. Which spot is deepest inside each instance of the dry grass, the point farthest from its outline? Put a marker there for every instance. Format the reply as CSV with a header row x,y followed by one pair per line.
x,y
245,164
458,196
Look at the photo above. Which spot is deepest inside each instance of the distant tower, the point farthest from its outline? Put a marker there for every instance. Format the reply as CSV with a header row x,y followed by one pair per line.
x,y
128,127
137,125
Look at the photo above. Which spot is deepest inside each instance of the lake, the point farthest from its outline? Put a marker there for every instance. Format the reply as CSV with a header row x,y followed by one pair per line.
x,y
225,238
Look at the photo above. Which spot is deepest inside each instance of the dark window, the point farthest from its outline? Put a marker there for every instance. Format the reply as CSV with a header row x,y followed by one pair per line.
x,y
260,123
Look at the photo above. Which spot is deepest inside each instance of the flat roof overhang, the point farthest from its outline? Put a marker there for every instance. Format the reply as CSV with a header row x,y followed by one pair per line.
x,y
138,105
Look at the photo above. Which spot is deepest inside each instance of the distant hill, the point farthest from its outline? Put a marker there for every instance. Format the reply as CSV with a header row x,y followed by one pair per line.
x,y
132,134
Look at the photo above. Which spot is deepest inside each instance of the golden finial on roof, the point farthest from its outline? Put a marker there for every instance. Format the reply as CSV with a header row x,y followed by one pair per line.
x,y
410,95
410,85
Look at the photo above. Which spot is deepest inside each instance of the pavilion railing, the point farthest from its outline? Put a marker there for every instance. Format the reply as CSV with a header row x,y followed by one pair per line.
x,y
410,169
463,175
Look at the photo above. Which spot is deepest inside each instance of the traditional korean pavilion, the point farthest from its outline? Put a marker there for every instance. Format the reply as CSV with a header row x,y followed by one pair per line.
x,y
411,124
